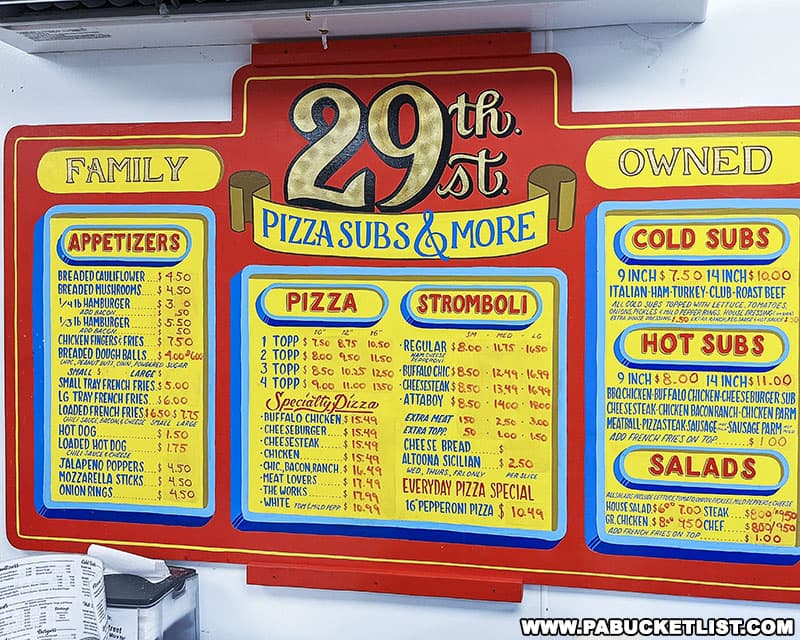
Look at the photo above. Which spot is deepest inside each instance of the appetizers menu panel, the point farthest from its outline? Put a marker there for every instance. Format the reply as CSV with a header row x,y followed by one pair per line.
x,y
125,409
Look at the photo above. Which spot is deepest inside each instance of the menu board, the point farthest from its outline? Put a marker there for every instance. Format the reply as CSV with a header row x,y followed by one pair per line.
x,y
427,404
407,323
695,422
125,417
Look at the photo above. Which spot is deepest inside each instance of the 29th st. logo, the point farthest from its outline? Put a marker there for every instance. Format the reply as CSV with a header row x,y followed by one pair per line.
x,y
408,128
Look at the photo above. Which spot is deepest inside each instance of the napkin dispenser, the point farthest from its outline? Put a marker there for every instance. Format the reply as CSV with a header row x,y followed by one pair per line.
x,y
139,609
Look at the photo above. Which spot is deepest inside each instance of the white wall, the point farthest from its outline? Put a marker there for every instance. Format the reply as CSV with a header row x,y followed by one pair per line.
x,y
743,55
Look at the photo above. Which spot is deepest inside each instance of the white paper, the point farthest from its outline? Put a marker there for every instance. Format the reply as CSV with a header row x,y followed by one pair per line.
x,y
116,561
53,597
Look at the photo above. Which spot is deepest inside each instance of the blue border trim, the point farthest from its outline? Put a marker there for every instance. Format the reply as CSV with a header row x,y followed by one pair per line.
x,y
594,529
500,325
243,519
683,259
692,365
117,512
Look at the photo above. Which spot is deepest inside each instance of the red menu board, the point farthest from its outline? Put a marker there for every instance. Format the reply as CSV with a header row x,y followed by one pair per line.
x,y
409,324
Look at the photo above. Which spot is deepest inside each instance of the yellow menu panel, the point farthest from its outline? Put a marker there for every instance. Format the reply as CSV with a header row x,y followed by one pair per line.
x,y
427,402
126,361
696,415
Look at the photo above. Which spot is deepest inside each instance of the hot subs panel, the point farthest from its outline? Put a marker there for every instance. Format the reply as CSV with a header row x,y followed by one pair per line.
x,y
412,326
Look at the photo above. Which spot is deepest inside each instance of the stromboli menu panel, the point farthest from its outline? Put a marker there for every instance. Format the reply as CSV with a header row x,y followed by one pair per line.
x,y
427,404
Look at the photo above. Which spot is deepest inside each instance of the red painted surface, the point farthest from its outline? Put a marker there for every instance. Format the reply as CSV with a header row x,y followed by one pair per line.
x,y
267,145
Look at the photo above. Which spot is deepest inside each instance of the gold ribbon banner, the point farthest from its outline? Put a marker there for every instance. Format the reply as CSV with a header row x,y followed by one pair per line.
x,y
483,233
